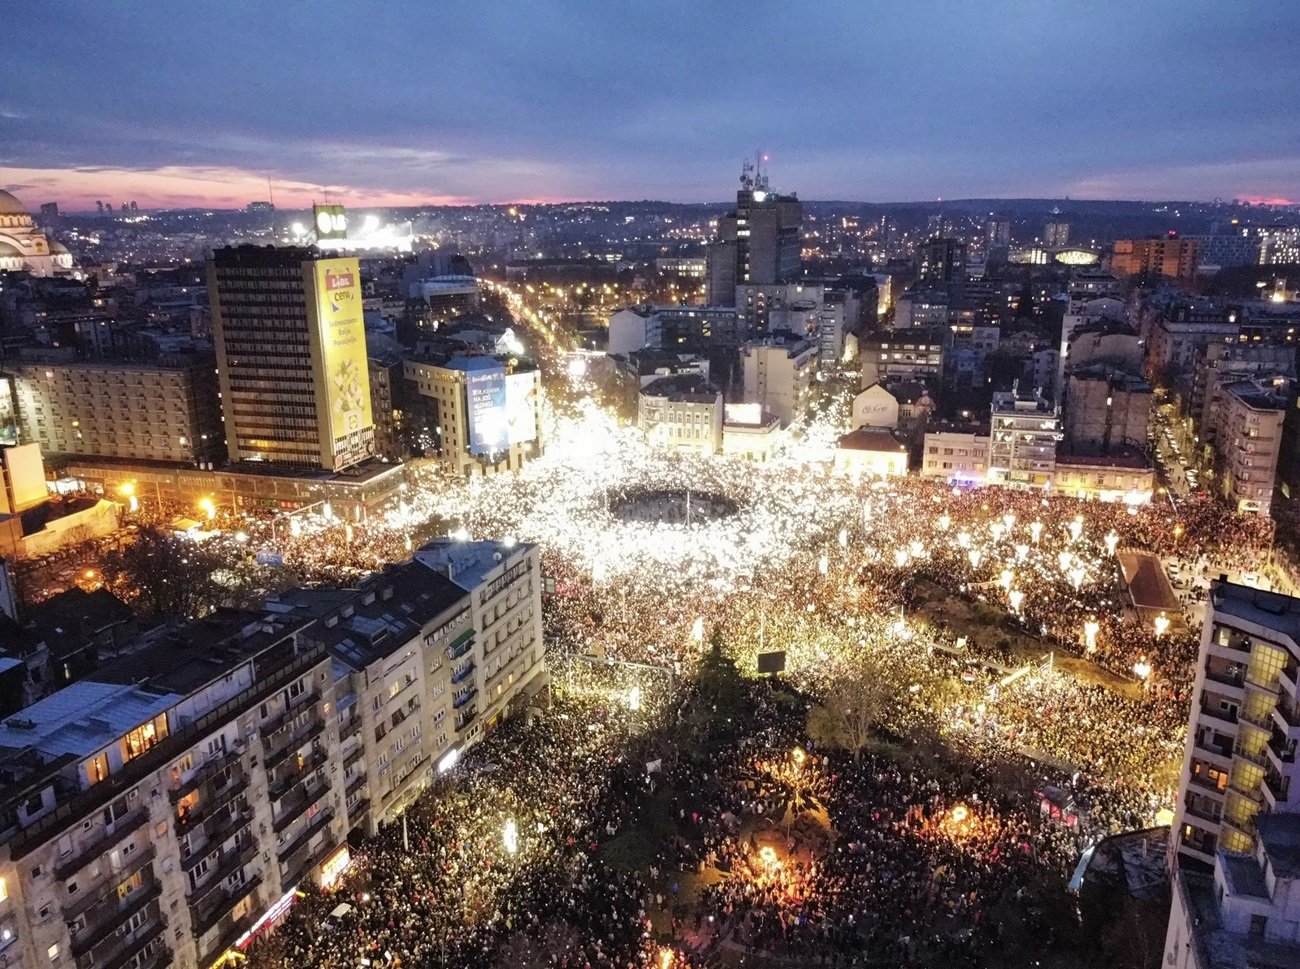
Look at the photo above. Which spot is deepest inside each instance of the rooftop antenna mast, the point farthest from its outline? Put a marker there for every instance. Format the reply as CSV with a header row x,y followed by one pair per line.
x,y
760,180
746,176
270,190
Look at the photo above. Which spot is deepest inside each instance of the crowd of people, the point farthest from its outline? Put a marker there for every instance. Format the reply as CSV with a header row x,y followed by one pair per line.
x,y
847,857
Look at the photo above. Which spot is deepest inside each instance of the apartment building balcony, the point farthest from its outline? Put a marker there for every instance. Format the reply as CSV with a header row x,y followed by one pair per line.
x,y
1203,810
208,909
95,902
1216,754
357,809
291,808
295,706
1286,715
461,645
1281,751
105,919
1249,793
1244,826
145,950
350,729
303,735
228,931
213,774
461,699
113,835
1215,716
1230,677
1277,789
357,753
464,673
222,867
1287,679
297,861
296,774
465,718
1200,845
1255,757
213,820
1262,721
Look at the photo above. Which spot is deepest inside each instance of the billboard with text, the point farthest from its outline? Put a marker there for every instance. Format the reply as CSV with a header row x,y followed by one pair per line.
x,y
343,354
486,406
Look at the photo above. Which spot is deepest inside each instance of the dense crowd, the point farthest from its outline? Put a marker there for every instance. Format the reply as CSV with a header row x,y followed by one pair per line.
x,y
846,858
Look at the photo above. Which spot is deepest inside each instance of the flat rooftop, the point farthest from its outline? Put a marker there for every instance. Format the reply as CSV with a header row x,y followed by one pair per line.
x,y
1269,609
467,562
83,718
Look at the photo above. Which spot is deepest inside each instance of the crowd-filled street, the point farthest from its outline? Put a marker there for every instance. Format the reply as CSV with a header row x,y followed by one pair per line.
x,y
671,807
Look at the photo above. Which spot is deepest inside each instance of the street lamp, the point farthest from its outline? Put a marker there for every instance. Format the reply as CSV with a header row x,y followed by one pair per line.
x,y
1143,669
1112,543
1161,624
510,836
208,507
132,502
1035,531
1017,599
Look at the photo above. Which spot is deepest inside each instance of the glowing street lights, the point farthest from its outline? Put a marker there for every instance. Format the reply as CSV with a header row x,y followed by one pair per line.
x,y
208,507
1112,543
510,836
1161,625
1017,599
1035,531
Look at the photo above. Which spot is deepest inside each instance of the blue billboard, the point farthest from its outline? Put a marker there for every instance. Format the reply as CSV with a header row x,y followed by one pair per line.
x,y
489,426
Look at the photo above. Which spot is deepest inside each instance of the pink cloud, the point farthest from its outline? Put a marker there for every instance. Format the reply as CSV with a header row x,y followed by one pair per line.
x,y
173,186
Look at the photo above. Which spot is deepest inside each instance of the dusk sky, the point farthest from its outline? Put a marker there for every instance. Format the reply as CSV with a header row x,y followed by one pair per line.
x,y
403,102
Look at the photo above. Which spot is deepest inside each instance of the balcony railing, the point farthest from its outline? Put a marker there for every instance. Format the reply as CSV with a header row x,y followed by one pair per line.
x,y
207,771
463,698
308,732
294,707
222,868
86,854
1255,757
205,917
291,808
109,922
463,673
94,894
461,645
323,817
1224,677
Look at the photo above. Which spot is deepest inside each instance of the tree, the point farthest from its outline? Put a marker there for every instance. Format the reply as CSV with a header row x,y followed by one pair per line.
x,y
160,575
853,706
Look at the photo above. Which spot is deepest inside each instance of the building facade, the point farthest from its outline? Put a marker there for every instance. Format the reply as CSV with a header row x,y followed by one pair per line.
x,y
163,411
778,373
1024,433
681,412
1248,443
291,356
1239,759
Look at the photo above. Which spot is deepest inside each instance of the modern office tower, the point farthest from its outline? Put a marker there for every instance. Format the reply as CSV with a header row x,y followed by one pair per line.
x,y
778,374
1248,442
1023,436
485,410
1056,234
1163,256
1241,742
940,261
757,242
291,356
165,410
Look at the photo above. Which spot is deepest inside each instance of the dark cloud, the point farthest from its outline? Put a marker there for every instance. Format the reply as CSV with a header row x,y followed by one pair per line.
x,y
878,99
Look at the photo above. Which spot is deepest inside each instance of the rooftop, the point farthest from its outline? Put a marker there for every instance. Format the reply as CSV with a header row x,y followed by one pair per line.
x,y
685,387
83,718
468,562
871,439
1280,836
1271,610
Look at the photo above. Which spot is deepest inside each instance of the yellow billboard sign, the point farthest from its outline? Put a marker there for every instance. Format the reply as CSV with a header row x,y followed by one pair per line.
x,y
343,351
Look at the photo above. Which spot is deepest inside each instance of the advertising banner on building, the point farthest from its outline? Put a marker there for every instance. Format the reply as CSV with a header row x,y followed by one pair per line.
x,y
486,406
331,222
521,407
343,352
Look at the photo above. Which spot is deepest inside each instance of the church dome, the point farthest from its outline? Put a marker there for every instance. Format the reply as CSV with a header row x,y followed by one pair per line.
x,y
9,205
7,249
58,248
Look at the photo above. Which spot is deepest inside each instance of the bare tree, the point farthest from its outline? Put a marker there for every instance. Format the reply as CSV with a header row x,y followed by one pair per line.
x,y
853,706
160,575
